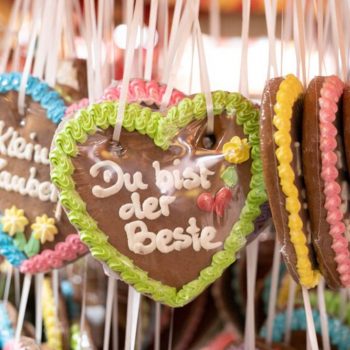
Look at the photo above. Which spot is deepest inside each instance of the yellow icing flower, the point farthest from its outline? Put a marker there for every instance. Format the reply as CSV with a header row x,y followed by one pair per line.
x,y
44,228
236,150
14,221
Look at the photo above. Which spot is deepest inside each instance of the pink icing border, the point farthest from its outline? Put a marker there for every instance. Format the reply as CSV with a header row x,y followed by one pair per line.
x,y
49,259
149,92
331,91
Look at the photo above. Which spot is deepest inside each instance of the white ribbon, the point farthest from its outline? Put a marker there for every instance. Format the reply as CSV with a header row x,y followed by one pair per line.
x,y
109,309
38,307
323,315
290,310
310,331
131,319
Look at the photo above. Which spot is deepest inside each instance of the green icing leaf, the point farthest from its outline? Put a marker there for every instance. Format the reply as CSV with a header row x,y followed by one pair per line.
x,y
229,176
32,247
20,241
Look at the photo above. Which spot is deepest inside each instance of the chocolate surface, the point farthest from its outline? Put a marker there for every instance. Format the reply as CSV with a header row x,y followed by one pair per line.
x,y
139,154
277,199
312,166
34,121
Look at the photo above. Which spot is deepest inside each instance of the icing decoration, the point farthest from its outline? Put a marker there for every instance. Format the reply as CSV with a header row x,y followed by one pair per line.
x,y
38,90
6,328
236,151
8,250
51,323
32,247
289,91
44,228
161,130
331,91
207,202
49,259
339,334
140,91
14,221
229,176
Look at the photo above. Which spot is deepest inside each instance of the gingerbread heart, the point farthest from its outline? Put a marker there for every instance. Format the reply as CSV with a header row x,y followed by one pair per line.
x,y
30,236
134,202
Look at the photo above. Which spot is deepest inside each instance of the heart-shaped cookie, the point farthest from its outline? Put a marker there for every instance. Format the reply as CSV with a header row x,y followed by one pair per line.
x,y
135,202
30,237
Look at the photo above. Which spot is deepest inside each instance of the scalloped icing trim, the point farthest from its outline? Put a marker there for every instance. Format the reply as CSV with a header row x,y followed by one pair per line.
x,y
288,92
6,328
50,259
150,92
51,322
339,333
331,91
39,91
136,118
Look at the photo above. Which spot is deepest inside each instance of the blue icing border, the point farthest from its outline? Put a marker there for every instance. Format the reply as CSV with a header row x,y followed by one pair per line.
x,y
7,248
39,91
6,330
339,333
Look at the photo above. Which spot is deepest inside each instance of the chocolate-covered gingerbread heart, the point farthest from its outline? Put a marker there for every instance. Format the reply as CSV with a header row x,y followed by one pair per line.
x,y
30,236
135,203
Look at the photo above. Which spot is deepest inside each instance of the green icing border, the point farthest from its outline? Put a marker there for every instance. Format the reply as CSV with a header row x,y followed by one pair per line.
x,y
161,130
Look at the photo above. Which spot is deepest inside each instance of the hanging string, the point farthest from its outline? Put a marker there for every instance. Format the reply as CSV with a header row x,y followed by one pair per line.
x,y
249,329
151,39
129,56
157,326
270,23
30,56
290,310
301,38
323,315
38,307
7,40
83,301
243,80
139,327
311,333
17,287
320,48
109,309
23,305
273,292
132,316
115,323
214,20
171,329
7,284
17,50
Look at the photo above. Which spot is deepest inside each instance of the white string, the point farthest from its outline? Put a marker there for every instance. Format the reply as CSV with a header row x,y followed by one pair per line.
x,y
23,305
171,329
204,78
7,284
301,38
18,46
273,292
323,315
115,319
55,286
157,326
29,59
129,56
290,310
311,332
68,30
320,47
38,307
151,39
249,329
7,40
83,301
138,345
214,18
52,57
17,288
270,23
131,319
139,51
109,308
243,80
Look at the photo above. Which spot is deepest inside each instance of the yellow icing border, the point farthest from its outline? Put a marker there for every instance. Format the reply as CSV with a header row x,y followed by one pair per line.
x,y
288,92
52,324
